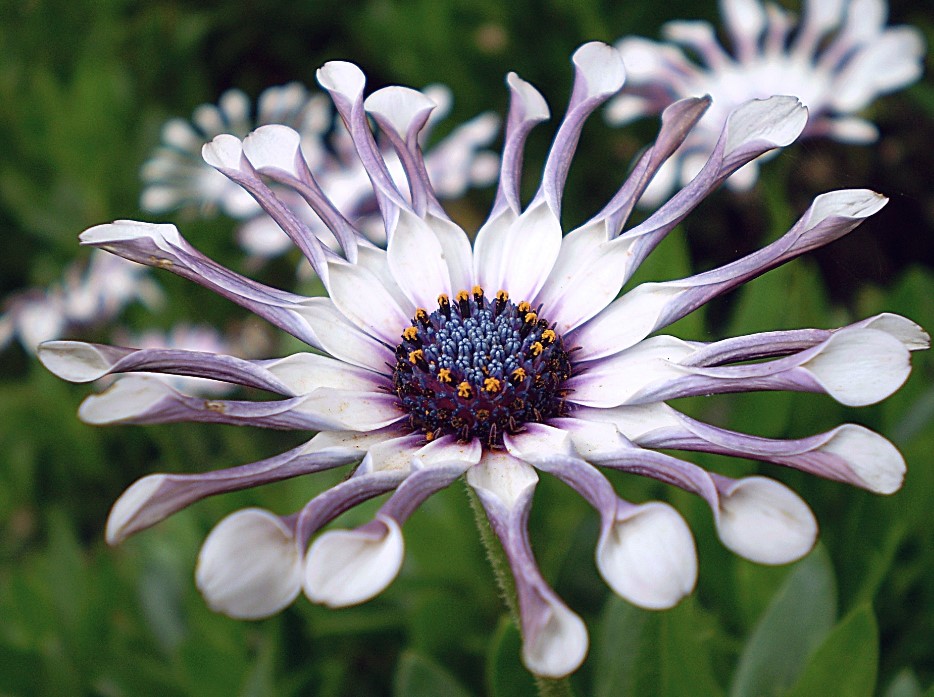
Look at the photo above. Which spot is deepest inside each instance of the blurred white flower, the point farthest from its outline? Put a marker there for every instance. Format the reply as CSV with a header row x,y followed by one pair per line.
x,y
836,60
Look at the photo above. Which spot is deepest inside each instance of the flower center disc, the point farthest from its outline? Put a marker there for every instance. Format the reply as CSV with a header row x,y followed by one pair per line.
x,y
480,368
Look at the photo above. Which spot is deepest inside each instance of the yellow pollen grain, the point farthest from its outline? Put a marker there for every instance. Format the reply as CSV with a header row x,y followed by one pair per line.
x,y
429,436
502,295
519,374
463,390
421,314
530,317
549,335
410,333
444,375
523,307
462,295
443,299
477,290
536,348
416,356
491,385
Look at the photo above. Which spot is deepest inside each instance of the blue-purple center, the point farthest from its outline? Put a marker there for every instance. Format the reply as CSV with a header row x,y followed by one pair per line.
x,y
480,368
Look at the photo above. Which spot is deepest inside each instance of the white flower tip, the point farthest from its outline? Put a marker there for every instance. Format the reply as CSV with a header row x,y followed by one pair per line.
x,y
273,146
775,121
872,458
129,231
502,478
124,518
534,106
126,399
249,566
648,556
398,107
859,366
559,646
846,203
765,521
342,77
910,334
74,361
224,152
347,567
602,68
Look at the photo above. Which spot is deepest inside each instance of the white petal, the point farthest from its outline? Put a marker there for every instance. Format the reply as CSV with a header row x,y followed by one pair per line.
x,y
560,646
340,338
249,566
306,372
627,107
503,477
634,422
364,300
352,410
519,256
601,67
126,398
398,107
534,106
776,120
648,556
910,334
123,230
127,508
341,77
765,522
74,361
273,146
890,61
418,262
860,366
846,203
346,567
224,152
871,457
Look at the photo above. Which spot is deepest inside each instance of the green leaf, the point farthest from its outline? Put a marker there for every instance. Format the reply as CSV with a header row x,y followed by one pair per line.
x,y
846,663
419,676
795,622
506,676
616,647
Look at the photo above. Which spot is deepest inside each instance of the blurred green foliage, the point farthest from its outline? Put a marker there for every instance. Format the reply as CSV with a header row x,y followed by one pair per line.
x,y
84,88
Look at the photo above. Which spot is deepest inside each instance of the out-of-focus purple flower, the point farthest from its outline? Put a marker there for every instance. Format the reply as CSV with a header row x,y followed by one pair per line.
x,y
176,176
438,359
837,60
89,295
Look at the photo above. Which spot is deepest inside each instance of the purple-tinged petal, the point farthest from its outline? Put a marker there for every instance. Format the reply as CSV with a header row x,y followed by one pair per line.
x,y
745,21
155,497
527,108
345,82
700,38
758,518
275,151
599,74
651,306
225,154
161,246
633,422
849,453
620,378
418,263
402,113
335,335
554,639
249,567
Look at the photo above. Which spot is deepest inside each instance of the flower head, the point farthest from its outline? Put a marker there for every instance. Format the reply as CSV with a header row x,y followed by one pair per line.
x,y
837,60
176,176
437,359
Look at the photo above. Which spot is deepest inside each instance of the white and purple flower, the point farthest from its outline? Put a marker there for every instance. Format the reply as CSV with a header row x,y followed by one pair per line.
x,y
438,359
837,61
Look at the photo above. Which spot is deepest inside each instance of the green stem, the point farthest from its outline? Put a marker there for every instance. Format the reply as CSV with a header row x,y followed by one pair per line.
x,y
507,590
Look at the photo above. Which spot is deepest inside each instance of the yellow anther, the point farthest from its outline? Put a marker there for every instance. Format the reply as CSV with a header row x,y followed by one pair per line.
x,y
464,390
502,295
416,356
549,335
462,295
536,348
519,374
523,307
492,385
421,315
410,333
477,292
443,299
530,317
429,436
444,375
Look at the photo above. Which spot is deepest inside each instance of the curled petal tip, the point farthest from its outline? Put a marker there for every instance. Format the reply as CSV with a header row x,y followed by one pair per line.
x,y
224,152
777,121
342,77
129,230
74,361
249,566
558,645
128,512
126,399
273,146
347,567
602,67
535,108
871,457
